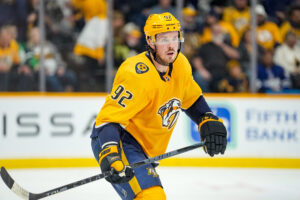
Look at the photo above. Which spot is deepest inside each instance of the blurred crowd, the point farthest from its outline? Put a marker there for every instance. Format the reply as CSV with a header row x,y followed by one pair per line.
x,y
217,42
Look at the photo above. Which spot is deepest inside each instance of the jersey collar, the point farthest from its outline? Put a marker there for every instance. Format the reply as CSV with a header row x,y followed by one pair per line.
x,y
165,76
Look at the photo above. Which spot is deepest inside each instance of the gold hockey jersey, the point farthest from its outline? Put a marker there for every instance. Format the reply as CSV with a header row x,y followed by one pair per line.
x,y
148,104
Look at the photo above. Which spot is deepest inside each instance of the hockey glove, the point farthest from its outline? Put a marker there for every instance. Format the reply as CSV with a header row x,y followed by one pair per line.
x,y
213,132
110,160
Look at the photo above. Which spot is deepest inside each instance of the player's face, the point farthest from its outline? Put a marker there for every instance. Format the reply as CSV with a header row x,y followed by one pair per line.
x,y
167,46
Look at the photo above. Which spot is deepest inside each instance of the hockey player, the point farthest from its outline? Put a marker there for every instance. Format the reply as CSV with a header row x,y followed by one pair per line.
x,y
138,117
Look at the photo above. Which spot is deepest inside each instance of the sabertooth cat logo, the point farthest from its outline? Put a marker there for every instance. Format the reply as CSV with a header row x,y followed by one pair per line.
x,y
170,113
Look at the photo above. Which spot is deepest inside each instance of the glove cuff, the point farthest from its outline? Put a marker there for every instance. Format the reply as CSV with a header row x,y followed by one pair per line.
x,y
208,117
108,156
108,150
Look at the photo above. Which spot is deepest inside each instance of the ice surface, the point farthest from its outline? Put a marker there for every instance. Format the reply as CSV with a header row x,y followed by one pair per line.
x,y
179,183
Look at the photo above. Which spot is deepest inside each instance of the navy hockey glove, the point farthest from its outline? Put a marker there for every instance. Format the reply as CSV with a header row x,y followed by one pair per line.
x,y
110,160
213,132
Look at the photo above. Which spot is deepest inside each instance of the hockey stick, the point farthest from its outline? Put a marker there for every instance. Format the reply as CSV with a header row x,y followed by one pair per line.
x,y
18,190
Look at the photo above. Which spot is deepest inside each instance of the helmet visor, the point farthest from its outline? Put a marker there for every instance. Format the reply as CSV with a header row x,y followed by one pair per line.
x,y
165,38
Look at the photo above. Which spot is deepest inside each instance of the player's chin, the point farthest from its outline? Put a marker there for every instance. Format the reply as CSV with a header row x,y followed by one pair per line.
x,y
171,58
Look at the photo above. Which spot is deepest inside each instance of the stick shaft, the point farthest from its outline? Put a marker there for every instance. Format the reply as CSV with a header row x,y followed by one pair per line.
x,y
32,196
166,155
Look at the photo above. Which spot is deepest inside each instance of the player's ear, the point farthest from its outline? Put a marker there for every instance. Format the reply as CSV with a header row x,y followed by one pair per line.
x,y
150,42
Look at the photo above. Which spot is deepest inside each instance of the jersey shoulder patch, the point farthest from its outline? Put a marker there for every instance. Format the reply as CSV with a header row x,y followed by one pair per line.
x,y
141,68
134,69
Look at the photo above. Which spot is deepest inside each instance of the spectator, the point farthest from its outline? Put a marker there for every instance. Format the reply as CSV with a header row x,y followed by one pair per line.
x,y
236,81
118,25
162,7
90,8
229,32
268,34
55,26
13,29
8,57
245,50
276,9
135,11
288,56
58,77
119,39
190,22
60,22
130,45
91,40
90,45
200,73
65,10
15,12
190,45
271,77
24,76
192,30
238,15
218,6
211,58
133,36
13,76
293,23
32,17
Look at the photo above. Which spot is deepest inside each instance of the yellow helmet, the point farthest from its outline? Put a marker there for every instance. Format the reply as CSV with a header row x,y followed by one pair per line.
x,y
160,23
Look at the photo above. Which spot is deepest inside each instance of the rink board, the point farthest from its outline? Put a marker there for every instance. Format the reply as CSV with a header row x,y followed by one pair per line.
x,y
52,130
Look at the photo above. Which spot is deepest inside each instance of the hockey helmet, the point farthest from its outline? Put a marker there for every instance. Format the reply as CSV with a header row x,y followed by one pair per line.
x,y
160,23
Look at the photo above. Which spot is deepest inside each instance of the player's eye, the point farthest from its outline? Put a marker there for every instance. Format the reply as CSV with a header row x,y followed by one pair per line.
x,y
163,41
167,40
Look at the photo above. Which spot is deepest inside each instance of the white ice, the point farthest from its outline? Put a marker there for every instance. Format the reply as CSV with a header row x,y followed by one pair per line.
x,y
179,183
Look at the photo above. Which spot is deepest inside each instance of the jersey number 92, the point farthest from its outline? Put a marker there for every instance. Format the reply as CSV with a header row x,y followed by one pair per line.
x,y
120,94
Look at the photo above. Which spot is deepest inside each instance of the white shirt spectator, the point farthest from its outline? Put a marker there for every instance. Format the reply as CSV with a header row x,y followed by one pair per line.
x,y
288,55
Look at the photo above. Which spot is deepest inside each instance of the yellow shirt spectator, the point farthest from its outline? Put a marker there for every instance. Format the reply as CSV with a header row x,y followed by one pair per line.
x,y
91,8
9,55
239,19
286,27
91,40
227,29
268,35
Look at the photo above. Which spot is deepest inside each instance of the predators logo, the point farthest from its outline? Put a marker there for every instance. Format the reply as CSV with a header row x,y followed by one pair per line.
x,y
141,68
170,112
152,172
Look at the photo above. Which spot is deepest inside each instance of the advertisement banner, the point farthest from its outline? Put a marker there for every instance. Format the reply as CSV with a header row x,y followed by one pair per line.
x,y
47,127
257,127
59,127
